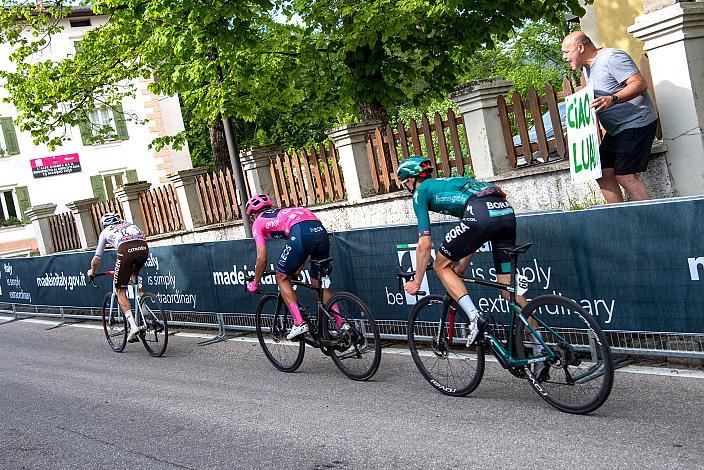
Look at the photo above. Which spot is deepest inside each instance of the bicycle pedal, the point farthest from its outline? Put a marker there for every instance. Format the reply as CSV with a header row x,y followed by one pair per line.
x,y
134,339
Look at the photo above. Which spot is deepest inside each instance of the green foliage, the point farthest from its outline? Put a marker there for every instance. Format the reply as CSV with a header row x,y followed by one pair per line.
x,y
411,50
10,222
281,82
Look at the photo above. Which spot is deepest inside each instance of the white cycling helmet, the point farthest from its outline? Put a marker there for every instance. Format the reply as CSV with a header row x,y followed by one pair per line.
x,y
110,218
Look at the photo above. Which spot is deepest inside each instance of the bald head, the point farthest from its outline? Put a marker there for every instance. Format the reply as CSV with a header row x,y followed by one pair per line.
x,y
578,37
578,50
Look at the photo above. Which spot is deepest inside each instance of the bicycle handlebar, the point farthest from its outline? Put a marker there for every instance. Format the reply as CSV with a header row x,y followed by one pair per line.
x,y
409,275
91,280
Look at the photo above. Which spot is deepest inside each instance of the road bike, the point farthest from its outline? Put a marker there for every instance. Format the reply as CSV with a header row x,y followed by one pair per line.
x,y
355,347
148,315
551,341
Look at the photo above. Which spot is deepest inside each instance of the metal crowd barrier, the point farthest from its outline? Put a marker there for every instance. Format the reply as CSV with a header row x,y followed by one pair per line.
x,y
636,343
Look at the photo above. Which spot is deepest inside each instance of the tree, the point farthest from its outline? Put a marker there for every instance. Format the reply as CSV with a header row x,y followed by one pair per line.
x,y
349,58
208,52
404,51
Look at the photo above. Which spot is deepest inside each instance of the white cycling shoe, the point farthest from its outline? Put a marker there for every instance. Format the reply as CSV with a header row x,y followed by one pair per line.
x,y
132,336
297,330
475,328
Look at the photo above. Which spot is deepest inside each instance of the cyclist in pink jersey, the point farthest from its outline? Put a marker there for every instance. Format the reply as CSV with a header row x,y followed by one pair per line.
x,y
306,238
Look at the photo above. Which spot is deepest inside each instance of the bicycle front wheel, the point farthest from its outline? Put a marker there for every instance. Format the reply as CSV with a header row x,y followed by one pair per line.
x,y
114,325
155,335
272,328
437,338
358,352
579,379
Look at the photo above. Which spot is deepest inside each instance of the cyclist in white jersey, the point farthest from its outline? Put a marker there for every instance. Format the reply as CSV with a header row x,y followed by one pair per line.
x,y
132,253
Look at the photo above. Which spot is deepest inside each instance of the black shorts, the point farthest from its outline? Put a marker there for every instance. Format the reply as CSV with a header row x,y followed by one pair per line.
x,y
628,152
308,238
485,219
131,256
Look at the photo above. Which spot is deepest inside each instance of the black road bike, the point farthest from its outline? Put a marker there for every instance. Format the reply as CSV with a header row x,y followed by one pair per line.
x,y
355,348
551,341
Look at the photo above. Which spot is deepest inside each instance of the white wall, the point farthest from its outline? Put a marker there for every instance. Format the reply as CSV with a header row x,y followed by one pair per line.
x,y
95,159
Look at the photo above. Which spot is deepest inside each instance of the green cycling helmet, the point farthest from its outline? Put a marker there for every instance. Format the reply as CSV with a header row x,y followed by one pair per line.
x,y
414,166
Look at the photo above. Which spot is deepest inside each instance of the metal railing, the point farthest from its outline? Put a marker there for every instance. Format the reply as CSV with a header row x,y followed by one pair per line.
x,y
636,343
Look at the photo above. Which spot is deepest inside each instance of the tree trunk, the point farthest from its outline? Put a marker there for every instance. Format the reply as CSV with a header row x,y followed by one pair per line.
x,y
221,157
372,112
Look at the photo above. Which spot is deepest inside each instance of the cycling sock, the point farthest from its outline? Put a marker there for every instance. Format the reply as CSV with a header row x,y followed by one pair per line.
x,y
468,306
295,312
339,321
537,347
130,319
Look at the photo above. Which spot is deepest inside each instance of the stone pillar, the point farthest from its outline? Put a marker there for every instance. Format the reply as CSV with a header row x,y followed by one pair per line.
x,y
354,162
255,163
674,41
477,103
128,197
184,183
84,221
39,216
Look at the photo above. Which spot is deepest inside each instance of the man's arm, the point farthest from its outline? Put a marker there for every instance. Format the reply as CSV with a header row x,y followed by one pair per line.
x,y
260,264
635,86
425,244
94,265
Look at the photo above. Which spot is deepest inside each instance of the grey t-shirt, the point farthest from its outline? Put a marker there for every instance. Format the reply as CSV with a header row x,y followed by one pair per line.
x,y
610,69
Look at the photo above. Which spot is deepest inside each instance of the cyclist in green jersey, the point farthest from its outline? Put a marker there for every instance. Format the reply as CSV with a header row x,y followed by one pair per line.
x,y
484,214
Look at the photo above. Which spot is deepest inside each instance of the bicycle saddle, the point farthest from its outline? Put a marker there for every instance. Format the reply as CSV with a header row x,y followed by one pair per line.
x,y
324,266
517,249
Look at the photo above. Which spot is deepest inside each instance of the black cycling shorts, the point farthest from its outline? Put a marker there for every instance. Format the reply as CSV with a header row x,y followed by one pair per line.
x,y
485,219
307,238
131,256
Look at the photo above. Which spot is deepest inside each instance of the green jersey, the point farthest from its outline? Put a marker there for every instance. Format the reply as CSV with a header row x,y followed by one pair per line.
x,y
444,196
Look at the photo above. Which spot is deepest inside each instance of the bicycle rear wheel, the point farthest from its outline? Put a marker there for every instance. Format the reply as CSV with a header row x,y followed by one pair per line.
x,y
441,353
580,378
155,336
358,352
272,328
114,325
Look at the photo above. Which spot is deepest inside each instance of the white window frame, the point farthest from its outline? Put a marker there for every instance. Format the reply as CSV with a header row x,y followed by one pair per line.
x,y
3,201
101,117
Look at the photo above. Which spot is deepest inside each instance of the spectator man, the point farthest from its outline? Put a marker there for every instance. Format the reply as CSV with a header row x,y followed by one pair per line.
x,y
624,109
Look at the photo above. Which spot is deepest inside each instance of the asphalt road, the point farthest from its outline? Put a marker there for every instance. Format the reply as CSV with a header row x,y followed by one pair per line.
x,y
68,401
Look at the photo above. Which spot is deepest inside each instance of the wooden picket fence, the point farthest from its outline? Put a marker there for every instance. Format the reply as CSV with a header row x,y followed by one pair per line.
x,y
102,207
217,197
161,210
444,141
307,177
515,119
64,232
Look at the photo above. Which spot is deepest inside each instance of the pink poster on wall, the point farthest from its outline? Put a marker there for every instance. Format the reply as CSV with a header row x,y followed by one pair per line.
x,y
55,165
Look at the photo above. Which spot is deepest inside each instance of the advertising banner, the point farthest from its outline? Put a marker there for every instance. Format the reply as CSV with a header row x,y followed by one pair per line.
x,y
583,135
633,267
56,165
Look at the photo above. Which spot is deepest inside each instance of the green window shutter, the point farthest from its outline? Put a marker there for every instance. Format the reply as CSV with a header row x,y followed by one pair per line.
x,y
23,201
131,176
8,131
98,186
120,124
86,134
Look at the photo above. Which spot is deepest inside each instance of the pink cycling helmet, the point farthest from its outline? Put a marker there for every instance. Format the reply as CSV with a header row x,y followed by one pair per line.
x,y
257,203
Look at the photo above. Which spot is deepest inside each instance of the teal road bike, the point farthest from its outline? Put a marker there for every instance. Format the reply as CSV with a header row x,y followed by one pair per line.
x,y
552,342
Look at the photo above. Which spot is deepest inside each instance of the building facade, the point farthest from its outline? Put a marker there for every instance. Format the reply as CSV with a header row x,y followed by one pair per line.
x,y
32,174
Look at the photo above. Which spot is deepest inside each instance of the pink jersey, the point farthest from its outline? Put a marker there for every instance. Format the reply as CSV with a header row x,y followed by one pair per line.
x,y
277,223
